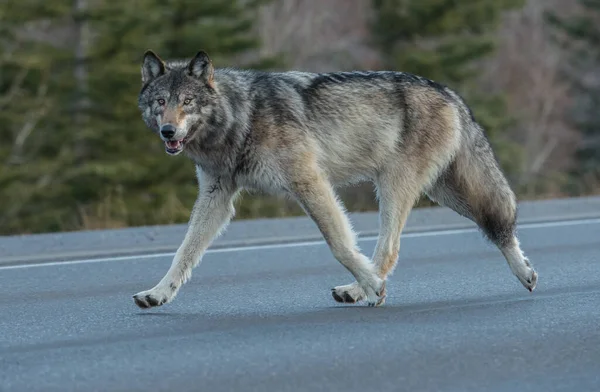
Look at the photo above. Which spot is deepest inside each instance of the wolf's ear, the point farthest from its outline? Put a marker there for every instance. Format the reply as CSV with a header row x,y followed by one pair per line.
x,y
152,67
201,68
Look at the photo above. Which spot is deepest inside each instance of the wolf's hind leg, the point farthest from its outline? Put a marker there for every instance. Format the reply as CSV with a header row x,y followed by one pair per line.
x,y
475,187
212,211
318,199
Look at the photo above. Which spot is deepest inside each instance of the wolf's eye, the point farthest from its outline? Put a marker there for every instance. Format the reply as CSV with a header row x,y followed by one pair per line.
x,y
187,101
160,101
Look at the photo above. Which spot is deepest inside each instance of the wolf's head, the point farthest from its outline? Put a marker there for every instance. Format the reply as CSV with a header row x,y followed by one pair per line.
x,y
177,98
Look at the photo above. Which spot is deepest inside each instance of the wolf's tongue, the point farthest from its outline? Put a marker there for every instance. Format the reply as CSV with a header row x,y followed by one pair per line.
x,y
173,144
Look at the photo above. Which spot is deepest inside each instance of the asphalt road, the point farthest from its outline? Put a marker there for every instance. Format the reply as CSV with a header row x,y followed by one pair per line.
x,y
262,319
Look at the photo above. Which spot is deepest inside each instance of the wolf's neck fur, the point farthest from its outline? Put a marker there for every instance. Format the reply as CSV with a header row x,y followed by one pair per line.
x,y
226,131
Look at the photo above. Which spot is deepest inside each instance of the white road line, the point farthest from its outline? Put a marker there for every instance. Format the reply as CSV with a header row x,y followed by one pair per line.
x,y
299,244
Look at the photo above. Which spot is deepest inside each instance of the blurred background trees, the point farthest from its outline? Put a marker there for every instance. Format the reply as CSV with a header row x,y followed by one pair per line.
x,y
76,154
579,36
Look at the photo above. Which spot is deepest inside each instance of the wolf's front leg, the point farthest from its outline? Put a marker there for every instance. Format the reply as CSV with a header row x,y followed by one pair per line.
x,y
211,214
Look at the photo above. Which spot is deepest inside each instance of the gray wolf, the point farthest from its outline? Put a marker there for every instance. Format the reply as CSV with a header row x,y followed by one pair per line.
x,y
303,134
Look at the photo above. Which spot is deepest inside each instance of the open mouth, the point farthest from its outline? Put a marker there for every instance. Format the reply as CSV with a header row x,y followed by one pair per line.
x,y
174,147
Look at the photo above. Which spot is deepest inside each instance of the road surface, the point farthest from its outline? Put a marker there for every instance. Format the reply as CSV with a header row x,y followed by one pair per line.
x,y
261,318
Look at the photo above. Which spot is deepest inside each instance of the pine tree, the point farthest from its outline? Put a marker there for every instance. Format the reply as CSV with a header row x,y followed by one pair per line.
x,y
445,40
90,161
580,37
35,85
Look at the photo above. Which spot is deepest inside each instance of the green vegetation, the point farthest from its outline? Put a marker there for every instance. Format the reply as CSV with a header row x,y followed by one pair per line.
x,y
580,37
76,154
87,159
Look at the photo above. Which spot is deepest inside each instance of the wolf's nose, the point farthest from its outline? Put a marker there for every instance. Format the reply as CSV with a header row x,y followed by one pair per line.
x,y
167,131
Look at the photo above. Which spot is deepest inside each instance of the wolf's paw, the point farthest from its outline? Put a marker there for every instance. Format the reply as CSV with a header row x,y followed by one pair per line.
x,y
375,297
354,292
155,297
524,271
528,279
349,293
